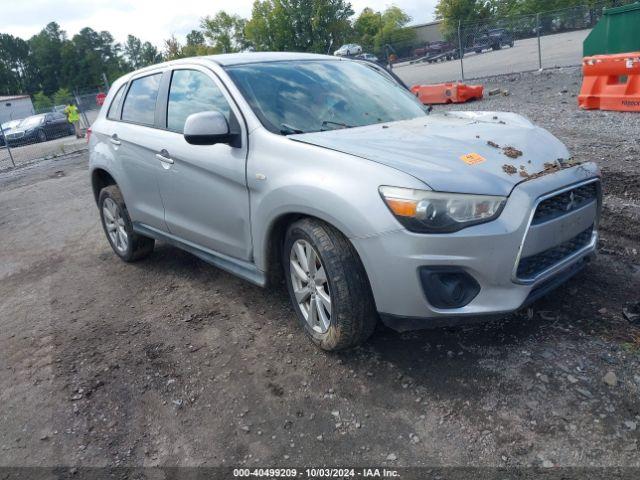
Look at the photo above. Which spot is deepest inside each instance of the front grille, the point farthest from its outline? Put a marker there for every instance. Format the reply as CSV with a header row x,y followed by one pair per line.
x,y
14,136
530,267
565,202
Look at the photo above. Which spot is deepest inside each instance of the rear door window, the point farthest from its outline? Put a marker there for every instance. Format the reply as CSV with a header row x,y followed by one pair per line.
x,y
193,91
140,103
114,108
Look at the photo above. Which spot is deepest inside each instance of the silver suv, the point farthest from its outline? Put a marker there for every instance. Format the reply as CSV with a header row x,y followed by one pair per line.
x,y
328,173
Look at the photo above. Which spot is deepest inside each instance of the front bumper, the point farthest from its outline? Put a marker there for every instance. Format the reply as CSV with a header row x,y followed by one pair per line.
x,y
22,139
490,253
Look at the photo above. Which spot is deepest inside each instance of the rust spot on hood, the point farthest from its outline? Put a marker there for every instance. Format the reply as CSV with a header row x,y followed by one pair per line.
x,y
552,167
510,169
511,152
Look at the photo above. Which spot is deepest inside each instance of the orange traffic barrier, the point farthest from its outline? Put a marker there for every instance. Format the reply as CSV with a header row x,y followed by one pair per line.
x,y
447,93
611,82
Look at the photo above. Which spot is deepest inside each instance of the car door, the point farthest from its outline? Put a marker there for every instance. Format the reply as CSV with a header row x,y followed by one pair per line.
x,y
59,123
134,139
49,126
204,187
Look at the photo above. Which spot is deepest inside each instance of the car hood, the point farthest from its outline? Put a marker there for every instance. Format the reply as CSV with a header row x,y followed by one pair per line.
x,y
461,152
8,131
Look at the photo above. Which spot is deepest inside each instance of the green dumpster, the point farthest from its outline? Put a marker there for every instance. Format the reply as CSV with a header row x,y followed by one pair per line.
x,y
616,32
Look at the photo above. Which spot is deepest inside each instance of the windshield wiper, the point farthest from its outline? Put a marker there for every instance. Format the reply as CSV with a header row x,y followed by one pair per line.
x,y
329,122
288,129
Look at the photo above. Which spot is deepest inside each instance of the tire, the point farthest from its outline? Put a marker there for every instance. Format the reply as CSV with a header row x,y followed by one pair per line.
x,y
41,136
352,316
127,244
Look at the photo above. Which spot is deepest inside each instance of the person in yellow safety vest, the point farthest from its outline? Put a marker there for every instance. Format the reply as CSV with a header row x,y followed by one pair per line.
x,y
73,117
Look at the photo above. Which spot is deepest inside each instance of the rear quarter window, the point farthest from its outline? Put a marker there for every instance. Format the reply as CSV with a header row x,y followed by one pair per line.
x,y
114,107
140,102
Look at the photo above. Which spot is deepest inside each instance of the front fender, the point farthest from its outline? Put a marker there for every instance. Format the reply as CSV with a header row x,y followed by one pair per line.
x,y
286,177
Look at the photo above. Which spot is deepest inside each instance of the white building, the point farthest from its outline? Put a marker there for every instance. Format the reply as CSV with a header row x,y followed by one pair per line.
x,y
15,107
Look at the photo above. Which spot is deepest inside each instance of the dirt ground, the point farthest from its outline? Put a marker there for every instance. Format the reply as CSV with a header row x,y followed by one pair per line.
x,y
170,361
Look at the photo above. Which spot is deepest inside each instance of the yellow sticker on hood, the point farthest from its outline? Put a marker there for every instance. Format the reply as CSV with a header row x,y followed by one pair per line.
x,y
472,158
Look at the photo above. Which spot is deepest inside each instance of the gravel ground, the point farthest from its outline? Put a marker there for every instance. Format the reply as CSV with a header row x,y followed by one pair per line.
x,y
170,361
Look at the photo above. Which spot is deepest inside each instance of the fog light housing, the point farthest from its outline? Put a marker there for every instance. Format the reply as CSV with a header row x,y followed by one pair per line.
x,y
448,287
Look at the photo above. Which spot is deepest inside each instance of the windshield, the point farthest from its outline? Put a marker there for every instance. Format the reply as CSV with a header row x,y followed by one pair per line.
x,y
31,121
310,96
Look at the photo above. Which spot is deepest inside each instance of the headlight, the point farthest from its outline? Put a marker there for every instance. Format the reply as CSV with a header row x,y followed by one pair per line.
x,y
425,211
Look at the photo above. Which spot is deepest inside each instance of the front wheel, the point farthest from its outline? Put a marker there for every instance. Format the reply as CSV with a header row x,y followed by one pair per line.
x,y
328,286
41,136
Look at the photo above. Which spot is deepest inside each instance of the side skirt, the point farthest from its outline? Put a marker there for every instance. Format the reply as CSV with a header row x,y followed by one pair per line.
x,y
245,270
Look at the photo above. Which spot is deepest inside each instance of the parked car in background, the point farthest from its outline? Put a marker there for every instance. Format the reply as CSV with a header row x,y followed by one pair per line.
x,y
493,40
434,48
367,56
348,50
39,128
7,127
327,173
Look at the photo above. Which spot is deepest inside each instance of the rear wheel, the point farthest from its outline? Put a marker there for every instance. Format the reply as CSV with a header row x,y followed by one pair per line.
x,y
127,244
328,286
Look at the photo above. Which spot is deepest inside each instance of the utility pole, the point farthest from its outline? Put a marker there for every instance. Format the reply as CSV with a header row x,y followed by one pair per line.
x,y
106,82
538,28
461,54
6,142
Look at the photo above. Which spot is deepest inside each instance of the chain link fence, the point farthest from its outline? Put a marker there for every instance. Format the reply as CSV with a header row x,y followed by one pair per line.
x,y
502,45
48,133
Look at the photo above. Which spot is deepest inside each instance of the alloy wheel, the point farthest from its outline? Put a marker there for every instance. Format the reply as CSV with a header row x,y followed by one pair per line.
x,y
310,286
115,225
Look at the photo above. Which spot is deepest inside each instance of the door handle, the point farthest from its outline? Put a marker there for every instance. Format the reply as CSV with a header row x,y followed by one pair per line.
x,y
114,139
164,157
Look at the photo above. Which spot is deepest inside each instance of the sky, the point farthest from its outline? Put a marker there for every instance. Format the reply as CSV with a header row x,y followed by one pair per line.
x,y
152,20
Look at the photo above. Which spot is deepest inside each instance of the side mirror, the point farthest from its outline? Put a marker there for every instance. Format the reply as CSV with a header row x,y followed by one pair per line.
x,y
207,128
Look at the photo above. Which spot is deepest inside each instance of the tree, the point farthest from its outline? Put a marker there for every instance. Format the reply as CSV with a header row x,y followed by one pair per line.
x,y
62,97
149,55
299,25
224,32
133,51
46,52
465,11
88,56
172,48
367,26
16,67
376,29
195,38
41,102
